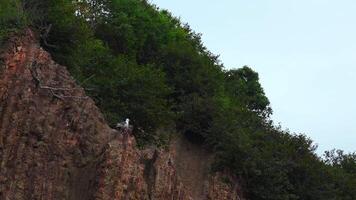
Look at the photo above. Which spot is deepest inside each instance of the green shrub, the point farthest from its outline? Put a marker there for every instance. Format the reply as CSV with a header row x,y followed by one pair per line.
x,y
12,18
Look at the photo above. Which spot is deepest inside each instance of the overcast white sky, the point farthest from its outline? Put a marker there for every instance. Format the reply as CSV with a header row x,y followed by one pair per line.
x,y
304,51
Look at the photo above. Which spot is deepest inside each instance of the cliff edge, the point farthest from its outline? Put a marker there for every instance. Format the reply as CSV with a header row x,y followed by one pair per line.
x,y
55,143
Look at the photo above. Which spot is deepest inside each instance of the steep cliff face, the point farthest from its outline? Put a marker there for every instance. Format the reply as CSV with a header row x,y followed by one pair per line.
x,y
176,173
192,163
51,134
55,143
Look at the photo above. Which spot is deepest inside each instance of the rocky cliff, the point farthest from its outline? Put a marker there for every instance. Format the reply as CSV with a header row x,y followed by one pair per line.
x,y
55,143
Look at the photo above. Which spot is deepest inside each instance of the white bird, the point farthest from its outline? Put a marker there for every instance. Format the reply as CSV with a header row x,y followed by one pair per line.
x,y
125,124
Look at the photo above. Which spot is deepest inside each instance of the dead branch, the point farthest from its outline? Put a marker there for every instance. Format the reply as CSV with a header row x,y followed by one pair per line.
x,y
54,89
44,35
59,88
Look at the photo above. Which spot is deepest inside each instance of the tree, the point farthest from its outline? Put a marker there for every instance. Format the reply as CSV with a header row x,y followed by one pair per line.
x,y
243,84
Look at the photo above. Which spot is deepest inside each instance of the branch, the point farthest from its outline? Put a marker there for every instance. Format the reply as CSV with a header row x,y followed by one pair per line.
x,y
49,45
59,88
44,36
53,89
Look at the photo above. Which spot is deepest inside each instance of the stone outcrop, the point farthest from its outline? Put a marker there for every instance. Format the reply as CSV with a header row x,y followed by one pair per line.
x,y
51,134
56,145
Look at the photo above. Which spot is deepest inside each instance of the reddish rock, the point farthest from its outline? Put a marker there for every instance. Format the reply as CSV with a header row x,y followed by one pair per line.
x,y
50,133
56,145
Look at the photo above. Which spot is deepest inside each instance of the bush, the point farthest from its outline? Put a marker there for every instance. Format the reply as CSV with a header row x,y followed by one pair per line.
x,y
12,18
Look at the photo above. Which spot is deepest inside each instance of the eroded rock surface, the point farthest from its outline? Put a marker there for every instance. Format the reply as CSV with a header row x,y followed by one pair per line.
x,y
51,134
56,145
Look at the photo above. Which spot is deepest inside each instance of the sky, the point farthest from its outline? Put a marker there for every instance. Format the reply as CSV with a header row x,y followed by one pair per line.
x,y
303,50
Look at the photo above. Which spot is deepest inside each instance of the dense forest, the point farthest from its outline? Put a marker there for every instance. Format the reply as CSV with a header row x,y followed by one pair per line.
x,y
138,61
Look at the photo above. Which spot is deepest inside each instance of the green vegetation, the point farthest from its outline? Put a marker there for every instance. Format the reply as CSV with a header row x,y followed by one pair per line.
x,y
12,18
140,62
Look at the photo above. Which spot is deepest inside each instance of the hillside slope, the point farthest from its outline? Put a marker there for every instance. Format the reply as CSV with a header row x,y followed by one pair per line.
x,y
55,143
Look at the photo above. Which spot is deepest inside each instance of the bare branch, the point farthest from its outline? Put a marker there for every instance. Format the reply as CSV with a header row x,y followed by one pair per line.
x,y
53,89
59,89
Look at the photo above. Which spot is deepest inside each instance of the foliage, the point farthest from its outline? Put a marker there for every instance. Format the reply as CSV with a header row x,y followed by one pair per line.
x,y
343,169
243,85
12,18
140,62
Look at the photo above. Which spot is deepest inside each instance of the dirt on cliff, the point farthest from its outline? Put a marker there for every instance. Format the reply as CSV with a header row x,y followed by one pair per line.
x,y
56,145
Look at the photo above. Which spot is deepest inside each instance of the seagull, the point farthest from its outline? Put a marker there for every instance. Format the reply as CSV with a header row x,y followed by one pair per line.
x,y
127,123
124,125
